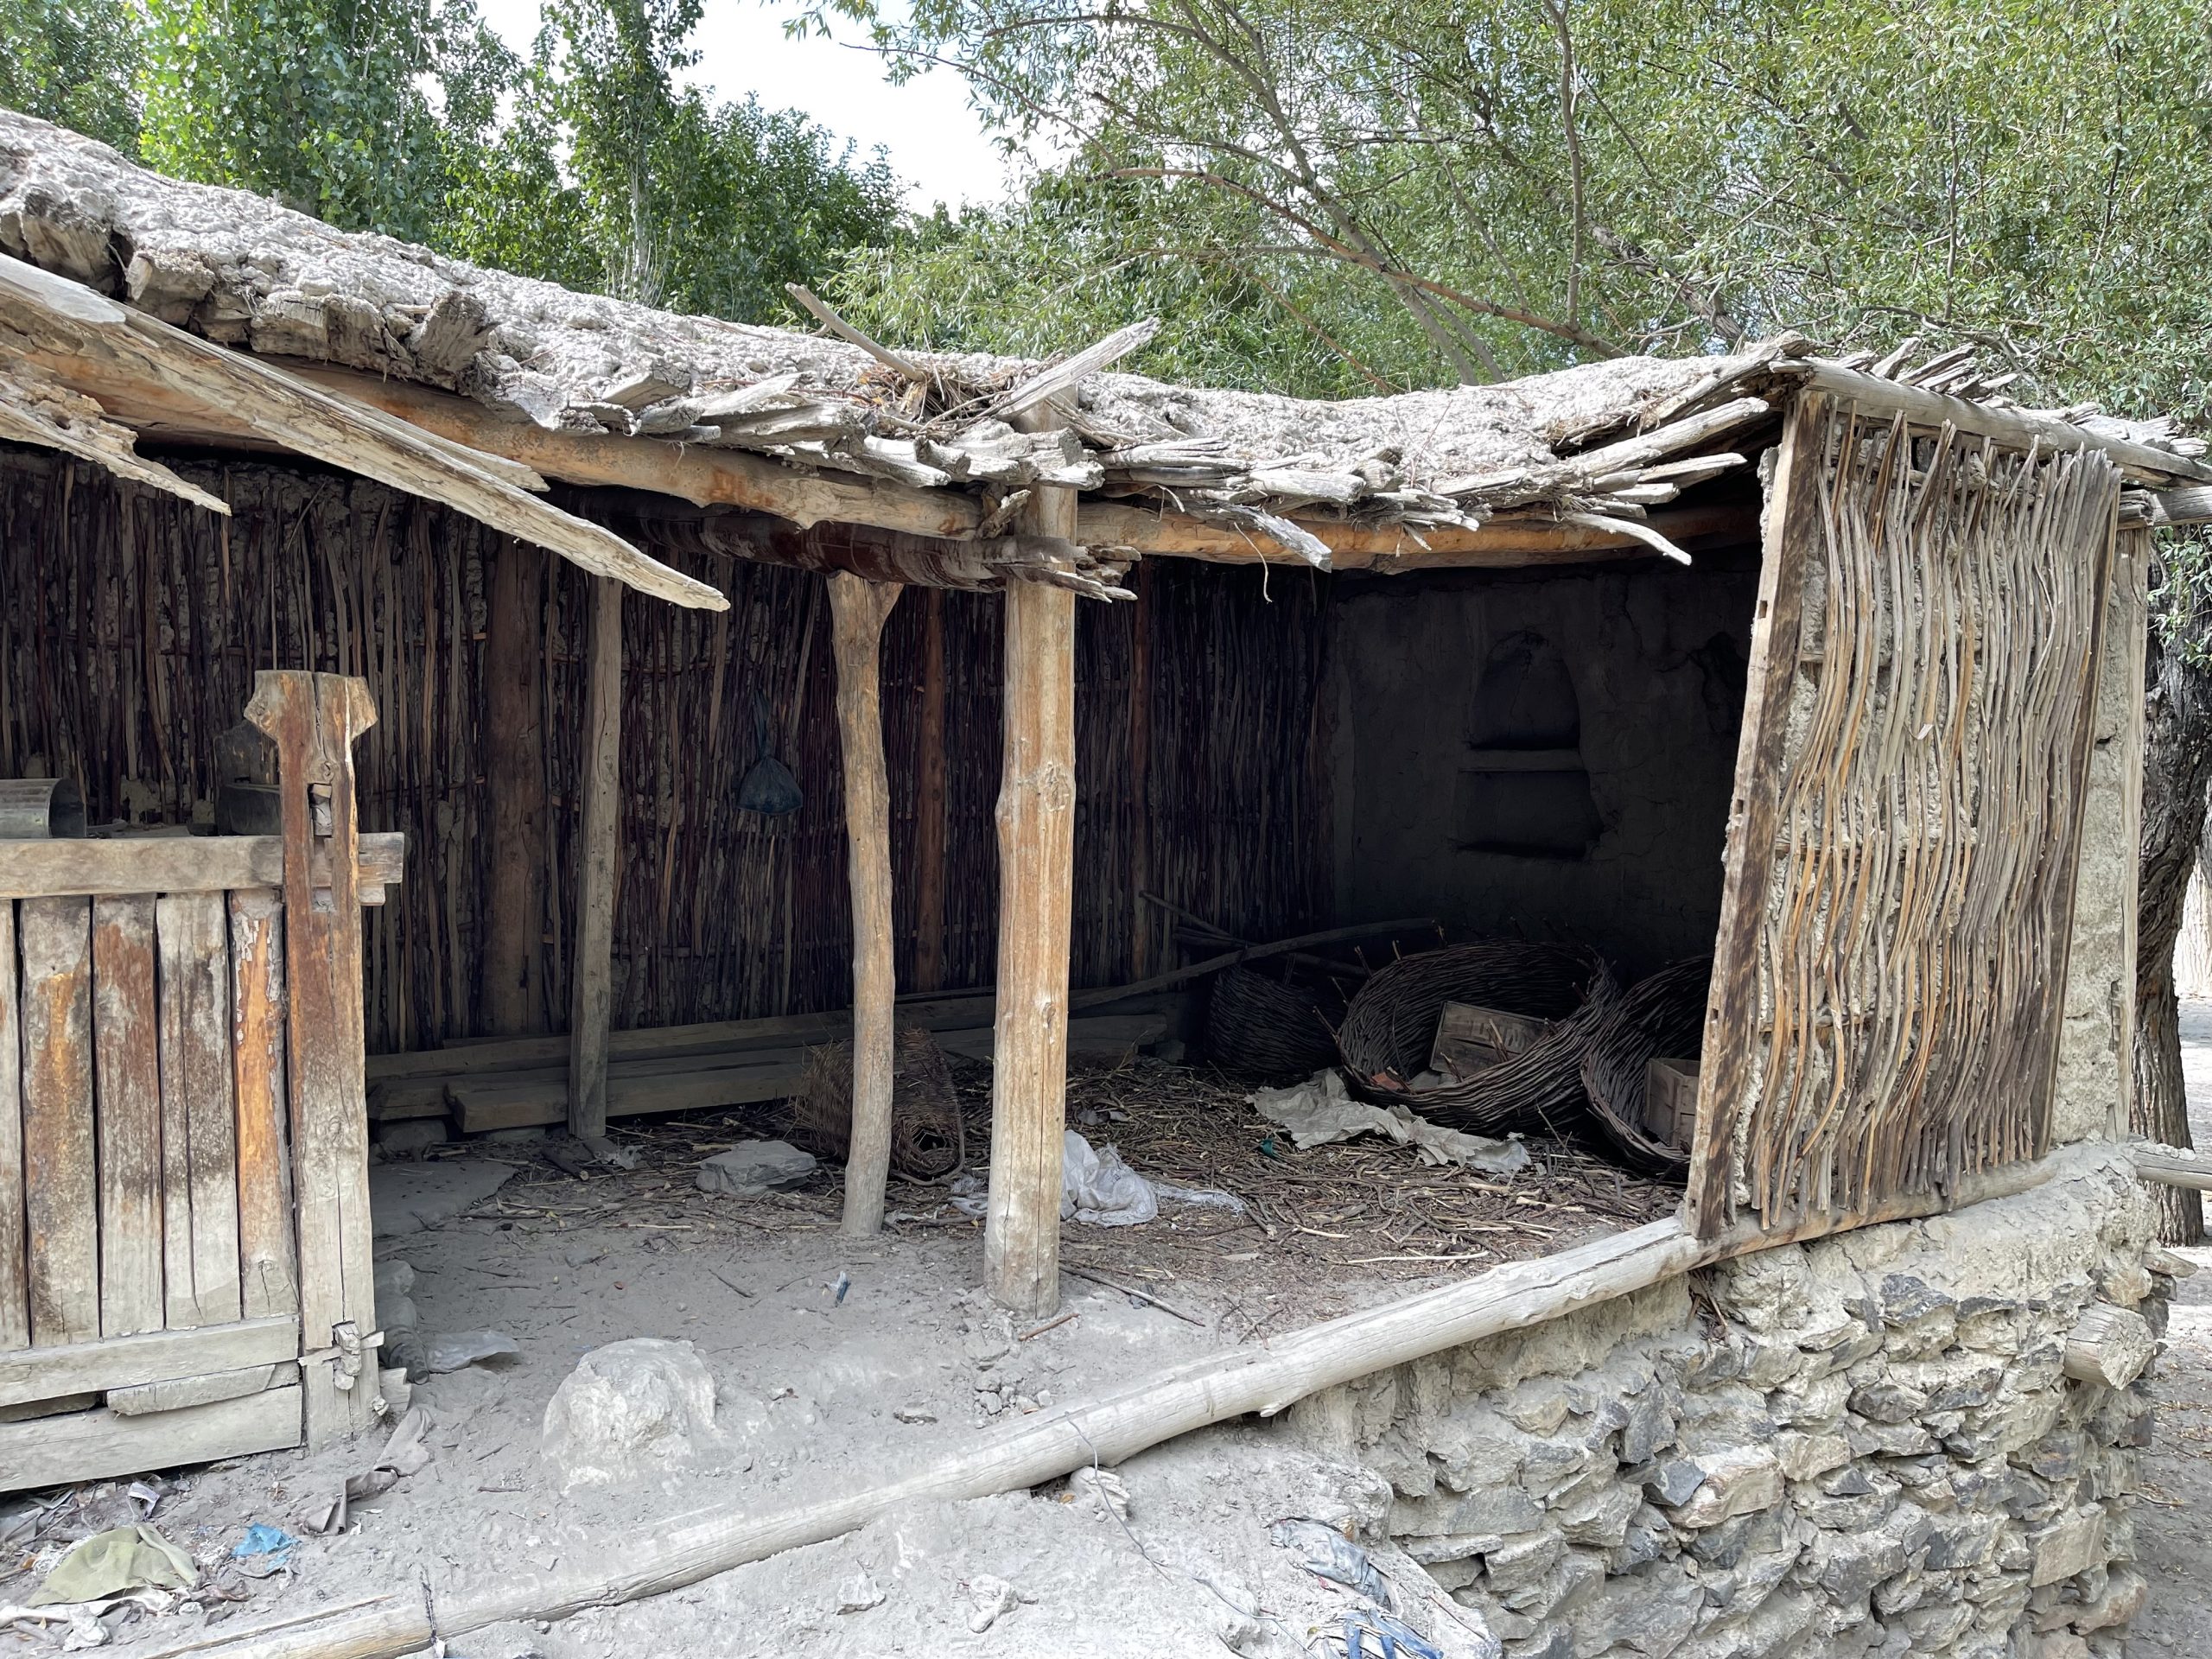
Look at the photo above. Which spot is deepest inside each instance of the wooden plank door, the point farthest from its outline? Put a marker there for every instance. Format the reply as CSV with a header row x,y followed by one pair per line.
x,y
1889,972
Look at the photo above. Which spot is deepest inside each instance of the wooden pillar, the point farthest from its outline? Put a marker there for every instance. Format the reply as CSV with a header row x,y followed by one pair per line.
x,y
1142,917
1036,825
857,611
929,805
511,966
314,720
591,970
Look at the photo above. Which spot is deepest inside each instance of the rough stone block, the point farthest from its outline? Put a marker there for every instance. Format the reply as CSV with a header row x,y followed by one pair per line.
x,y
1736,1482
1804,1456
1847,1566
1813,1403
1519,1564
1888,1402
1651,1611
2122,1597
1496,1511
753,1167
1537,1405
1956,1542
2071,1544
1650,1428
1600,1517
1674,1481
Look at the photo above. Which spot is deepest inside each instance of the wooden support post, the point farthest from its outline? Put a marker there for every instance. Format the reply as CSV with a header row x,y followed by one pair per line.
x,y
1036,825
591,971
857,612
314,720
1141,921
511,971
929,803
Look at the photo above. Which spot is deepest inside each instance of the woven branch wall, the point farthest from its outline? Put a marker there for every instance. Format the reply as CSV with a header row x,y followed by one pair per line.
x,y
131,626
1918,868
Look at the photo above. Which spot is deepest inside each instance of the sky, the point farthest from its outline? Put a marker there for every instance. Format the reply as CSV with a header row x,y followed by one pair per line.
x,y
936,144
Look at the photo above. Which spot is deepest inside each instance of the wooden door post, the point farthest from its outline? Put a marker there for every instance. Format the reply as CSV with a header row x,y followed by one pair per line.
x,y
1036,826
510,993
314,720
857,611
591,971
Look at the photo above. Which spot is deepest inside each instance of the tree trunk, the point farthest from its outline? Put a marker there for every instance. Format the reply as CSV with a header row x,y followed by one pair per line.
x,y
2177,774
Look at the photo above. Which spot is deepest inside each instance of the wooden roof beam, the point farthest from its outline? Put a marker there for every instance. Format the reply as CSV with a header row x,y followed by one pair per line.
x,y
123,359
722,477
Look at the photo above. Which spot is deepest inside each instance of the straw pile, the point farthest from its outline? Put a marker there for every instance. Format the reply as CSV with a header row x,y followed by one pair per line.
x,y
928,1139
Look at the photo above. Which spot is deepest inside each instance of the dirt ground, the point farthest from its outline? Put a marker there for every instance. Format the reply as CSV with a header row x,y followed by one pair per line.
x,y
831,1358
2172,1536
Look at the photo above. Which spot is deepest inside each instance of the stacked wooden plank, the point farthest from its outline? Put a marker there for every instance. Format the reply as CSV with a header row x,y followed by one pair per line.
x,y
519,1082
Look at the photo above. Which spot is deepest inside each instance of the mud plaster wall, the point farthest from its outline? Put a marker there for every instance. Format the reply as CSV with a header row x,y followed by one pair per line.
x,y
1865,1446
2096,1045
1656,657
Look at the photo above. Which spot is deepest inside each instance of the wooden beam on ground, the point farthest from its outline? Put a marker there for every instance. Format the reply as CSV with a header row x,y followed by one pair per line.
x,y
2173,1166
1036,830
858,610
677,1551
122,358
591,970
511,963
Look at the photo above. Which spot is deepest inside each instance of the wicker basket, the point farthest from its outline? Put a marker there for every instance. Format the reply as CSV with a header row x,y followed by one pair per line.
x,y
1261,1026
1391,1024
928,1139
1663,1014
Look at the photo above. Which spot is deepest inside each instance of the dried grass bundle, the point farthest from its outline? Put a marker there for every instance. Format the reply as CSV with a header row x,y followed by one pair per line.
x,y
927,1138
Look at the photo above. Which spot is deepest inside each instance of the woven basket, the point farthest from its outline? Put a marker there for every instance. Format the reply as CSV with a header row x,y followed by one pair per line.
x,y
1259,1024
1391,1024
1662,1014
928,1139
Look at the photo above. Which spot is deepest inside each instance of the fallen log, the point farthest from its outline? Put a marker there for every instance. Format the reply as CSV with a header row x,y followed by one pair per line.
x,y
2172,1166
674,1553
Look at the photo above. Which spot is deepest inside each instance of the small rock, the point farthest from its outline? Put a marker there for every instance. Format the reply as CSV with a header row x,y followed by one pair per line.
x,y
859,1593
912,1415
753,1167
993,1599
1101,1489
634,1407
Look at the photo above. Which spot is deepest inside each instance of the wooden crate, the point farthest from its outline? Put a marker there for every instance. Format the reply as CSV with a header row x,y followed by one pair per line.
x,y
1472,1039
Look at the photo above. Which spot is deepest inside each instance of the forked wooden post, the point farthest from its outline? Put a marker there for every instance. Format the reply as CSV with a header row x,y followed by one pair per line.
x,y
857,612
592,973
1036,825
314,720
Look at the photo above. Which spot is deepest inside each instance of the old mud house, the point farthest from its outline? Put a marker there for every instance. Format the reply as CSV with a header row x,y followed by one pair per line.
x,y
596,622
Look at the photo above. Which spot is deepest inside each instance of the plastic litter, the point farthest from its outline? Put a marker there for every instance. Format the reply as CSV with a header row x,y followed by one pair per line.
x,y
1326,1553
1097,1187
402,1454
993,1599
767,787
1393,1637
264,1551
113,1563
1319,1111
451,1349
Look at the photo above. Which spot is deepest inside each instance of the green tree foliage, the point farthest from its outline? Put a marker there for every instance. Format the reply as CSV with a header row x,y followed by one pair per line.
x,y
346,109
74,62
589,162
1434,189
663,196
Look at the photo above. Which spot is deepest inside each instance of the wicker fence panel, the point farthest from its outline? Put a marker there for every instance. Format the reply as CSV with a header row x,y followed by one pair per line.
x,y
131,624
1887,1000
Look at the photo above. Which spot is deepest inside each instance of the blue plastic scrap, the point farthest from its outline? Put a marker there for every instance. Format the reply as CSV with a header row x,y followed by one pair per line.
x,y
265,1549
1396,1636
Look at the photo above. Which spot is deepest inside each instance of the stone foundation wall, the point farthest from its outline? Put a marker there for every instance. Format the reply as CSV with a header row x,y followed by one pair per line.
x,y
1866,1445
